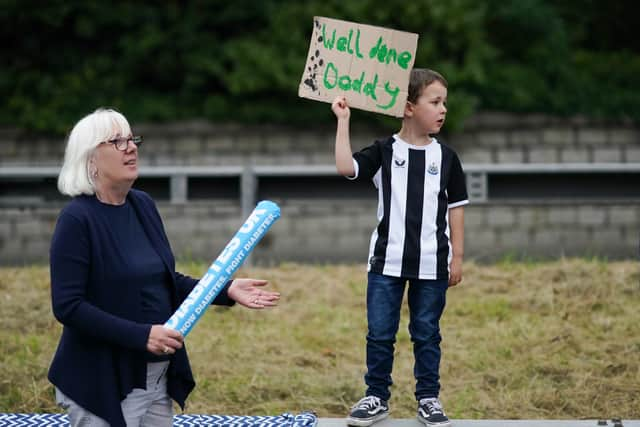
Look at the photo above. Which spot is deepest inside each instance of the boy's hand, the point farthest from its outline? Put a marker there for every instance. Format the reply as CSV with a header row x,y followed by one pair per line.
x,y
340,107
455,271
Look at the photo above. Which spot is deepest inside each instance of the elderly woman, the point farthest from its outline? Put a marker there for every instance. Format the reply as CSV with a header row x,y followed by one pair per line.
x,y
114,284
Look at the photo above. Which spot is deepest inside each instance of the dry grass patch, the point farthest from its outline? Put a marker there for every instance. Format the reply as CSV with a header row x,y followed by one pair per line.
x,y
520,340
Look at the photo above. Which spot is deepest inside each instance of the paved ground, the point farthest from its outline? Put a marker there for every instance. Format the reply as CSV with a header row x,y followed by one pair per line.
x,y
390,422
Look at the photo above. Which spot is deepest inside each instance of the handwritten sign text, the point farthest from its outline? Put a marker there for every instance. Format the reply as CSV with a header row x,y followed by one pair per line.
x,y
369,65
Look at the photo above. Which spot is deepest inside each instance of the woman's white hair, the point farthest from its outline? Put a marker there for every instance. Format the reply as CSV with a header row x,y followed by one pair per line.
x,y
102,125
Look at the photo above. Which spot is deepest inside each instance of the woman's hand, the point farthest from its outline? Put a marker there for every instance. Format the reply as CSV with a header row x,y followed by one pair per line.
x,y
248,292
163,340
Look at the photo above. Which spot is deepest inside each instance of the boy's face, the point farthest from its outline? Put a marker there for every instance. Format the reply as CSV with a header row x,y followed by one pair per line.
x,y
430,108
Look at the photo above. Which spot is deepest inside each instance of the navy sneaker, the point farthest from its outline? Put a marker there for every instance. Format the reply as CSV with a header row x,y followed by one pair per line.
x,y
430,413
367,411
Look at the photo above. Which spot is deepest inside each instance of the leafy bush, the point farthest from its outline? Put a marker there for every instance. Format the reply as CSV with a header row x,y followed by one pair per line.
x,y
242,61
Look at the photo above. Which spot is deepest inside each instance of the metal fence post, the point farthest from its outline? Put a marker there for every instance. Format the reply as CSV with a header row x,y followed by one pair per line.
x,y
179,190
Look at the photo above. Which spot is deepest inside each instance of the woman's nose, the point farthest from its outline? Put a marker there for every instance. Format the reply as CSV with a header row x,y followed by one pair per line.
x,y
131,145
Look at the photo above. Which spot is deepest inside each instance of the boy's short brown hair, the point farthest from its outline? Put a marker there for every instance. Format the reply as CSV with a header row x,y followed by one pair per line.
x,y
421,78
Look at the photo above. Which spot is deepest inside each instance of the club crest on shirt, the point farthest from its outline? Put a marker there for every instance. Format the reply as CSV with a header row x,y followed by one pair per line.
x,y
399,163
433,168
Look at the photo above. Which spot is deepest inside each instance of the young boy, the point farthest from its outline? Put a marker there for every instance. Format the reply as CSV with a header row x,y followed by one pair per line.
x,y
418,181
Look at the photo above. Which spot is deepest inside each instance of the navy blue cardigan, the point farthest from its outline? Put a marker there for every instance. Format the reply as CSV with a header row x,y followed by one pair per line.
x,y
101,354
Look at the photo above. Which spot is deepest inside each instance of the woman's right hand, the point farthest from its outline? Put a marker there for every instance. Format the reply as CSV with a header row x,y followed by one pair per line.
x,y
164,340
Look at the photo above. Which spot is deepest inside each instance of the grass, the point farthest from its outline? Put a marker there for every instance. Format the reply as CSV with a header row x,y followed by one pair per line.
x,y
553,340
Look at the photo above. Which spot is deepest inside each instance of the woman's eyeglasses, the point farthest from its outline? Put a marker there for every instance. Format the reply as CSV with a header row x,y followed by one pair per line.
x,y
122,143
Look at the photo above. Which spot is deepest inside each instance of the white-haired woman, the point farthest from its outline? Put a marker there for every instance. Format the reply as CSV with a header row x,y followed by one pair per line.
x,y
114,284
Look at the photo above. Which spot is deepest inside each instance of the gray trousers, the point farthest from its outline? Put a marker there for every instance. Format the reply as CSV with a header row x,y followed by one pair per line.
x,y
141,408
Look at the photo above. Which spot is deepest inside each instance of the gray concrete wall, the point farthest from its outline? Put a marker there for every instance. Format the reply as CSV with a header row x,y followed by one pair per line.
x,y
509,138
339,230
485,138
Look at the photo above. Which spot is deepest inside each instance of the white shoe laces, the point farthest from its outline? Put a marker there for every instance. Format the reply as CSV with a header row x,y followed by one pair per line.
x,y
367,403
433,405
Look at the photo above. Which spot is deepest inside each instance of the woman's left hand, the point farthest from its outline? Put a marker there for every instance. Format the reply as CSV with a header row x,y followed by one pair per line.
x,y
249,293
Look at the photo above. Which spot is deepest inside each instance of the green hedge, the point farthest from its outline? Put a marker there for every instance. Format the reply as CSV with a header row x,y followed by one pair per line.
x,y
242,61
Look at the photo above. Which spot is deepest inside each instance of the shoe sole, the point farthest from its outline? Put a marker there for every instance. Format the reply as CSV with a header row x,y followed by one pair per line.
x,y
364,423
429,424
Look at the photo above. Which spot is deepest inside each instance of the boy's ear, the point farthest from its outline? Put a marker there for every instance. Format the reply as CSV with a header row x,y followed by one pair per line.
x,y
408,109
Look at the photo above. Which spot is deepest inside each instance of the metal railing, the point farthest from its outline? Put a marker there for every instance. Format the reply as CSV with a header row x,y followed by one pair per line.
x,y
249,176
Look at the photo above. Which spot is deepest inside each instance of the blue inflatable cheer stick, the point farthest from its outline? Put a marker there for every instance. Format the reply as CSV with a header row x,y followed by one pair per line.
x,y
231,258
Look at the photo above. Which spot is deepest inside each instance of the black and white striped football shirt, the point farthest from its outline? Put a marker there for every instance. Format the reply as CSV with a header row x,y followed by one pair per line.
x,y
416,186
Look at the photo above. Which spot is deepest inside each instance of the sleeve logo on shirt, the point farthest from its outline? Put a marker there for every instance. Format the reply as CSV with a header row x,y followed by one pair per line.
x,y
433,169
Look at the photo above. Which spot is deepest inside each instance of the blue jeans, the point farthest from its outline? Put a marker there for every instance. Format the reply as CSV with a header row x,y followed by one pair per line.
x,y
426,299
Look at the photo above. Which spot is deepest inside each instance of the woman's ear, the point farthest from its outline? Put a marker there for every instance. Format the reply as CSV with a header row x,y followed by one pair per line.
x,y
92,168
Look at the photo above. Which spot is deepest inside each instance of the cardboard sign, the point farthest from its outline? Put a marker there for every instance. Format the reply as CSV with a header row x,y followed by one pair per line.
x,y
368,65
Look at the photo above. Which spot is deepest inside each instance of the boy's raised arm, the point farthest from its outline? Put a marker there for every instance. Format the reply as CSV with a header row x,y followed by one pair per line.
x,y
344,155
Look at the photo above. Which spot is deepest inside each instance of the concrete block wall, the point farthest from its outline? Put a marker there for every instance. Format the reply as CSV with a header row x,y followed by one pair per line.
x,y
339,231
485,138
550,230
197,144
25,233
509,138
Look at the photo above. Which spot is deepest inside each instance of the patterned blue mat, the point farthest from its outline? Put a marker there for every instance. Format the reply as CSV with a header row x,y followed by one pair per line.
x,y
304,419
